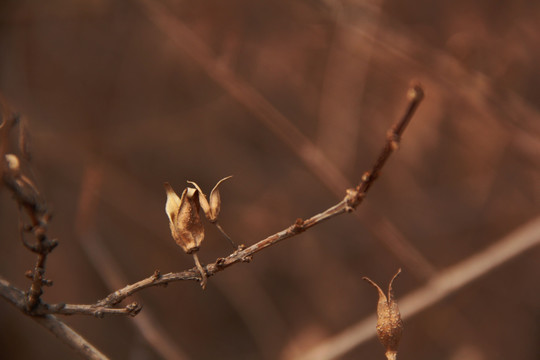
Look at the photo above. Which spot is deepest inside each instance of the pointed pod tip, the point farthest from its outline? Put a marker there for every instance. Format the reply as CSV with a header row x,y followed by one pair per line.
x,y
220,181
379,290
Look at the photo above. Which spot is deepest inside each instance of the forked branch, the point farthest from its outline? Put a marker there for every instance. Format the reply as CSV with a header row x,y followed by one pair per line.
x,y
351,201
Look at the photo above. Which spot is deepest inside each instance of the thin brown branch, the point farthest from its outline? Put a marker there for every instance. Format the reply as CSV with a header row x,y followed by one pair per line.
x,y
352,200
29,198
310,154
111,273
103,307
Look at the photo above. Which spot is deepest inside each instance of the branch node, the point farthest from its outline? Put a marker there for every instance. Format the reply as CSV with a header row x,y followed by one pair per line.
x,y
393,139
353,198
297,227
156,275
220,263
133,309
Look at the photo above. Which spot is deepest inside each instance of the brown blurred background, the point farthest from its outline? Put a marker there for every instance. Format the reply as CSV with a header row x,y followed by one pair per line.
x,y
120,96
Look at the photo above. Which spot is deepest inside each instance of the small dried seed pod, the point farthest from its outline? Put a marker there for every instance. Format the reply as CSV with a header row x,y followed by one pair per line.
x,y
185,223
389,323
186,226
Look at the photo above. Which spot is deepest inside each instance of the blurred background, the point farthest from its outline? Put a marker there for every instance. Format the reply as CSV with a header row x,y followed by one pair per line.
x,y
294,99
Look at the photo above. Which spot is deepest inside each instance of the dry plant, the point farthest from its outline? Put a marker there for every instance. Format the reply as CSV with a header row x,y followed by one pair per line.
x,y
186,228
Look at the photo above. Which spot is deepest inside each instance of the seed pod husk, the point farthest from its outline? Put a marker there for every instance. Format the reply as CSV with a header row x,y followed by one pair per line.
x,y
184,220
210,208
389,323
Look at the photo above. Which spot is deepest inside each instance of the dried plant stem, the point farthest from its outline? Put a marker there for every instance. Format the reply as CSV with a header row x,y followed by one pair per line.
x,y
309,153
201,270
440,286
352,200
235,247
112,275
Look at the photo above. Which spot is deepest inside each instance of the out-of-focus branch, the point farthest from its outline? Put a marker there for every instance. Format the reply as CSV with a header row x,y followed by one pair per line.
x,y
66,334
440,286
30,200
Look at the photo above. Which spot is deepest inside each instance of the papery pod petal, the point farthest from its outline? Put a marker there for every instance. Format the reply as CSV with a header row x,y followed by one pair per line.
x,y
173,202
187,228
215,200
202,200
12,162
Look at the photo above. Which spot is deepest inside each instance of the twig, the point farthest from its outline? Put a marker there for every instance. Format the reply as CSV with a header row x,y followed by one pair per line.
x,y
308,152
28,198
440,286
352,200
50,322
110,272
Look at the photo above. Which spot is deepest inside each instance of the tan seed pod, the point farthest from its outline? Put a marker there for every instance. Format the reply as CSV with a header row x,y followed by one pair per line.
x,y
185,223
184,220
389,323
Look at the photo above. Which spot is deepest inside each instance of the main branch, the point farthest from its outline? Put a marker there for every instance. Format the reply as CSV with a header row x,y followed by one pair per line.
x,y
351,201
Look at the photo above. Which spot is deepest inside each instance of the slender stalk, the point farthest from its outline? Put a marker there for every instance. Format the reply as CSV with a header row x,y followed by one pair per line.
x,y
204,279
235,247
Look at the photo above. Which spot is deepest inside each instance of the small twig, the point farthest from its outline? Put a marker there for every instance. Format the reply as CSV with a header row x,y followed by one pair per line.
x,y
235,247
201,270
28,197
112,275
200,273
309,153
352,200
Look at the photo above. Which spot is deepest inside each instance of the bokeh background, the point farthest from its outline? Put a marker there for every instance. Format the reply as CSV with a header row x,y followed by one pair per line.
x,y
120,96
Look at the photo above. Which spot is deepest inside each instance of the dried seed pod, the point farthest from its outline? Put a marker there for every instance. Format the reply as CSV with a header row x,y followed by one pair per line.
x,y
185,223
389,324
186,226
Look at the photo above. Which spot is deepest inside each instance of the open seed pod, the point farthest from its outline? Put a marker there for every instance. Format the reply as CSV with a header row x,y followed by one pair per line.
x,y
389,323
183,212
